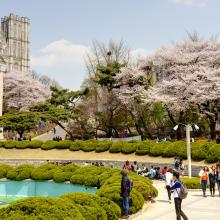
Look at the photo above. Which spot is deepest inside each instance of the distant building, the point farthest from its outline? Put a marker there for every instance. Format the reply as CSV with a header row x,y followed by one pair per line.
x,y
14,43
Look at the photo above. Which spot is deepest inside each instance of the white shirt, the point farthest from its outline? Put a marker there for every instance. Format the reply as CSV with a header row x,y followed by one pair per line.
x,y
176,191
168,178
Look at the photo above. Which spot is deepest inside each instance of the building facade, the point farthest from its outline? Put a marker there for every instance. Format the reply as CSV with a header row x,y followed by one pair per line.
x,y
14,43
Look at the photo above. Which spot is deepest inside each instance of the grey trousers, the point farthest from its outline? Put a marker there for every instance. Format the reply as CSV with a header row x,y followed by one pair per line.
x,y
179,211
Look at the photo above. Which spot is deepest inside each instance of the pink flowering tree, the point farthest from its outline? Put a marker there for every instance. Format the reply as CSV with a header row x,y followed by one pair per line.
x,y
184,77
22,91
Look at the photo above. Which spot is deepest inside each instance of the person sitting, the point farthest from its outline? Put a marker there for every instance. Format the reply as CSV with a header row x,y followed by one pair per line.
x,y
158,174
135,167
152,172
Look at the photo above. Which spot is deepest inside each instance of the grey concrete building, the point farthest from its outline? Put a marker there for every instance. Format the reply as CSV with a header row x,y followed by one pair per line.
x,y
14,43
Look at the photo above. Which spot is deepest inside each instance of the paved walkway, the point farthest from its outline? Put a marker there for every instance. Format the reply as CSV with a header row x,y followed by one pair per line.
x,y
50,135
195,207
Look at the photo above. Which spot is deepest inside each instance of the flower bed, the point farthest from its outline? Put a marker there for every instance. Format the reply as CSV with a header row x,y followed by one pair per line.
x,y
105,205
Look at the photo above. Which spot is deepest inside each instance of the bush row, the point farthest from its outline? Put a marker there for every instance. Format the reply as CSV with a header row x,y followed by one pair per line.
x,y
104,205
201,150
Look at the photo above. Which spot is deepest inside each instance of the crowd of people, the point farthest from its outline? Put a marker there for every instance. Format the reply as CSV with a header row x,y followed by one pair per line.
x,y
57,138
154,172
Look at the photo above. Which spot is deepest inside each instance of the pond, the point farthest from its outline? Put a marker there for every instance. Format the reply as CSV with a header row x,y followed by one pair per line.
x,y
11,190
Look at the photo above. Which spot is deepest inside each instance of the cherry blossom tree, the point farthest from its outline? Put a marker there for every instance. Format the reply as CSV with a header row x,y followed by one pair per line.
x,y
183,77
21,90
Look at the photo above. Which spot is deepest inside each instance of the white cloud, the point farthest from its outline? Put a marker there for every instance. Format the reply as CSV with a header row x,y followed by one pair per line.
x,y
198,3
140,53
63,61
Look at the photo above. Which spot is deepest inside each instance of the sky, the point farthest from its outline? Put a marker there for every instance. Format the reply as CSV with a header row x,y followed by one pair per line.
x,y
62,31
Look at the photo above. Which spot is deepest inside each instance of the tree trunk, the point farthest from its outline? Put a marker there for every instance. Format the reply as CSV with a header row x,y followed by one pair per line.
x,y
138,128
146,130
66,130
212,126
179,132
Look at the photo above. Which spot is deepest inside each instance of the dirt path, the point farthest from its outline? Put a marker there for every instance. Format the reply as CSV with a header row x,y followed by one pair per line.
x,y
80,155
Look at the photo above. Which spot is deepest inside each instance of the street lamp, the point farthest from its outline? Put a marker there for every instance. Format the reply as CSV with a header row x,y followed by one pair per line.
x,y
188,129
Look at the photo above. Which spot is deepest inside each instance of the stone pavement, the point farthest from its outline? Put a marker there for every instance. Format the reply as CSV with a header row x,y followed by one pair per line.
x,y
50,135
195,206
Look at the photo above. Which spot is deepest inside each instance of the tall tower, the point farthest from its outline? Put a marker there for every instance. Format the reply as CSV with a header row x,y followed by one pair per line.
x,y
16,32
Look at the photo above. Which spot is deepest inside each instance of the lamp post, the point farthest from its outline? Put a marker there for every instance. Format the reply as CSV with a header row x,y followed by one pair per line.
x,y
188,148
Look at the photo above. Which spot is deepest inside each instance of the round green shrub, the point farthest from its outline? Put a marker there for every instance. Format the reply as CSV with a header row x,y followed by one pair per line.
x,y
45,172
48,145
88,175
4,169
84,199
21,144
21,172
106,209
89,145
76,145
156,149
2,143
199,151
116,147
70,168
10,144
128,148
143,148
103,146
213,154
64,144
174,149
38,208
34,144
62,176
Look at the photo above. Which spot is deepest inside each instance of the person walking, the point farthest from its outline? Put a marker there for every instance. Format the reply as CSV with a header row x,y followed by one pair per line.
x,y
212,180
125,193
175,188
168,181
204,179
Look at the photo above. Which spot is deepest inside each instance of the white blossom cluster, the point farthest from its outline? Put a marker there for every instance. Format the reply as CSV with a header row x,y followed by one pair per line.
x,y
187,73
21,90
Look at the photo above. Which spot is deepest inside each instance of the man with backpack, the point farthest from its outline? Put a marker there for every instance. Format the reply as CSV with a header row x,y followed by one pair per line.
x,y
179,193
126,187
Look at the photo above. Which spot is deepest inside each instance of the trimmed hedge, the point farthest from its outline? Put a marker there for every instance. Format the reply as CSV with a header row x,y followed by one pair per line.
x,y
201,150
21,172
103,146
193,183
103,208
41,208
4,169
45,172
116,147
105,205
